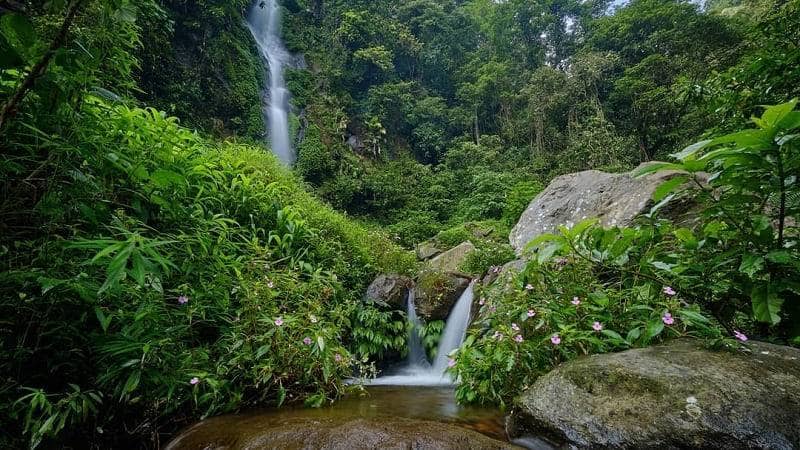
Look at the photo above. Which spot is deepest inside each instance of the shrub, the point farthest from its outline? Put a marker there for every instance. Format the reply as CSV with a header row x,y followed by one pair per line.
x,y
583,293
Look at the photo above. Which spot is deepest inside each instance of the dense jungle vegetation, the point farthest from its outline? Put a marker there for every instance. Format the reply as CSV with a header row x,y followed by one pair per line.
x,y
159,265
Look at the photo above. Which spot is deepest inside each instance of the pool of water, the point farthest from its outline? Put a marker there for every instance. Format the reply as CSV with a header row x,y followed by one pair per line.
x,y
429,403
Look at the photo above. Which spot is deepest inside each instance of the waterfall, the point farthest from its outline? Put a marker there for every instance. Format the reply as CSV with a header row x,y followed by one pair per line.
x,y
416,352
455,331
264,22
417,371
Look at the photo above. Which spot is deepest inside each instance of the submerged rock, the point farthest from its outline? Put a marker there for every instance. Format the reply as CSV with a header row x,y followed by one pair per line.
x,y
390,290
614,198
451,260
437,292
671,396
239,433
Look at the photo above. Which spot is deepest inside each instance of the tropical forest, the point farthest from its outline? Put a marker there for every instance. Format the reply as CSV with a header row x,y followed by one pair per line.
x,y
417,224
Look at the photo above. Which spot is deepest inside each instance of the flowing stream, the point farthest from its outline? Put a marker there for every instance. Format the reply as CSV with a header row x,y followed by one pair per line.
x,y
418,371
264,22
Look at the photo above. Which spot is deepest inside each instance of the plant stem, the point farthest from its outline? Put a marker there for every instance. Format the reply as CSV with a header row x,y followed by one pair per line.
x,y
12,105
782,212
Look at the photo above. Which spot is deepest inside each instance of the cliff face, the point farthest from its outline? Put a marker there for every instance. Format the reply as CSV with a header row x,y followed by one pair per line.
x,y
200,64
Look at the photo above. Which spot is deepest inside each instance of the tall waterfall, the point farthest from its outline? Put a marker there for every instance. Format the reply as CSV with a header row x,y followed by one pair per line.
x,y
417,371
264,22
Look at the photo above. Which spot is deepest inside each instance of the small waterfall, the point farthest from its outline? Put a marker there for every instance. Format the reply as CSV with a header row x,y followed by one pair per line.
x,y
416,351
264,22
455,331
417,371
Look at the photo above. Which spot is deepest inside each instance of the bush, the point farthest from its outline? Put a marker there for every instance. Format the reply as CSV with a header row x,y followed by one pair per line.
x,y
178,279
584,293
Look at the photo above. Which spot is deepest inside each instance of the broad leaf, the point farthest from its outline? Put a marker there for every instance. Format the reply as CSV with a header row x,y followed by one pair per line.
x,y
766,304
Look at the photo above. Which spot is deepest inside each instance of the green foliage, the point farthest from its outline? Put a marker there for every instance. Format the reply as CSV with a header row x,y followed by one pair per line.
x,y
756,255
518,200
198,62
588,290
376,332
430,333
488,255
183,282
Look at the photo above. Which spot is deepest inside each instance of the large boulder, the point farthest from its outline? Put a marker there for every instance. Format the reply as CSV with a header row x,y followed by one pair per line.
x,y
389,290
332,432
451,260
614,198
671,396
437,292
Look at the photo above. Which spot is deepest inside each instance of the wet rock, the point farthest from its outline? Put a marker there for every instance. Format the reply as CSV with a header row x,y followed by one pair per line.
x,y
333,433
451,260
614,198
671,396
437,292
390,290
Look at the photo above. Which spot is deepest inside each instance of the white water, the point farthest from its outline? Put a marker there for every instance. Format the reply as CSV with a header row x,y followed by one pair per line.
x,y
416,352
264,22
418,372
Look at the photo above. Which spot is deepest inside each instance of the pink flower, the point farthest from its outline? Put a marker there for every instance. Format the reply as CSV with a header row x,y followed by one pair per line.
x,y
518,338
183,299
667,318
597,326
669,291
307,340
555,339
337,357
278,321
739,335
451,363
531,313
515,327
496,269
194,381
312,318
576,301
492,309
482,301
498,335
528,287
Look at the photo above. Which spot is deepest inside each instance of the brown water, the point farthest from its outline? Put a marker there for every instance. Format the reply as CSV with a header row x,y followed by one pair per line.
x,y
378,405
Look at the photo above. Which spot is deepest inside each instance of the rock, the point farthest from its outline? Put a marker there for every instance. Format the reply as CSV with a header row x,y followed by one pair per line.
x,y
451,260
614,198
426,250
333,433
671,396
390,290
437,292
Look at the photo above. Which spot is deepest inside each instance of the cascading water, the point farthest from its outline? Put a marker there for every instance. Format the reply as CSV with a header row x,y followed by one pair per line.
x,y
417,371
264,22
416,351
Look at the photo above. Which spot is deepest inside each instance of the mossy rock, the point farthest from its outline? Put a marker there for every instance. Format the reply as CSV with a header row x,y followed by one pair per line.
x,y
436,293
675,395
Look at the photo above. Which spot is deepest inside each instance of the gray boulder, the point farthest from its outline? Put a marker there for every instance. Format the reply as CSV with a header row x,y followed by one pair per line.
x,y
614,198
390,290
672,396
451,260
437,292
